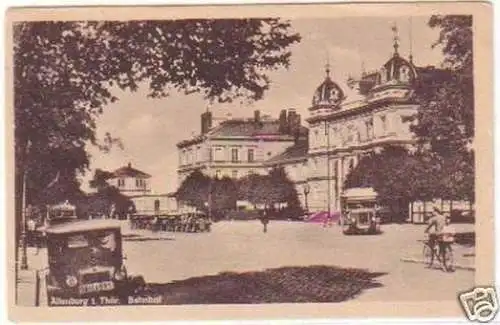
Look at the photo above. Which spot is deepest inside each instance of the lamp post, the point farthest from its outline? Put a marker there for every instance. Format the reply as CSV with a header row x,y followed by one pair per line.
x,y
307,190
327,133
24,244
209,199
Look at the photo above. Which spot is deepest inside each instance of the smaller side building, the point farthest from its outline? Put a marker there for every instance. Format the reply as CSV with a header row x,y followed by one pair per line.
x,y
136,185
130,181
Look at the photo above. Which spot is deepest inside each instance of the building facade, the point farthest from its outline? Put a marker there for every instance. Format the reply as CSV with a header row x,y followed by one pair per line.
x,y
348,121
131,181
136,185
238,147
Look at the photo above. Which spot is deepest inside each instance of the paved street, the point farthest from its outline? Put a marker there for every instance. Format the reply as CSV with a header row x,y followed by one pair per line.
x,y
242,246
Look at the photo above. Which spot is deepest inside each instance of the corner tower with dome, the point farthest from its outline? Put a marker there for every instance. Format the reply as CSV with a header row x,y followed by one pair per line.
x,y
352,119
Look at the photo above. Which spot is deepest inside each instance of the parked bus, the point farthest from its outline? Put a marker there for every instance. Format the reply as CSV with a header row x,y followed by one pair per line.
x,y
361,211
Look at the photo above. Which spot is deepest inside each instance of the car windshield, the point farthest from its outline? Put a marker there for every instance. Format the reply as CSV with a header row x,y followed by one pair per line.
x,y
62,213
105,239
78,249
360,205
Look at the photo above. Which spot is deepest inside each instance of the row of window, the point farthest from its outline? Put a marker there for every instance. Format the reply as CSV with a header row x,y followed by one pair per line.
x,y
189,156
350,133
218,155
349,165
234,173
139,183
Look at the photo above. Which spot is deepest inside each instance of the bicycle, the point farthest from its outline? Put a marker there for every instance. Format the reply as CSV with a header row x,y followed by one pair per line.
x,y
444,257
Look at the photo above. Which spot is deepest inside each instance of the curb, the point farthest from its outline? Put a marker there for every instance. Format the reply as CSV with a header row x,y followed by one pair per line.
x,y
421,261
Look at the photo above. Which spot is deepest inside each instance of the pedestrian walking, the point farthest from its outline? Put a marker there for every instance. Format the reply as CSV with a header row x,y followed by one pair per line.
x,y
327,222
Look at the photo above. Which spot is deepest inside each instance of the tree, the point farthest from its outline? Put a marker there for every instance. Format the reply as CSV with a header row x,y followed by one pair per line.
x,y
224,194
388,172
254,188
397,175
449,94
106,197
65,73
445,127
455,39
194,189
282,188
99,181
267,190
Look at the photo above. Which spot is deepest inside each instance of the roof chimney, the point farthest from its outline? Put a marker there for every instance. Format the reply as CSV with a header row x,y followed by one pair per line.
x,y
283,124
256,116
293,122
206,122
129,165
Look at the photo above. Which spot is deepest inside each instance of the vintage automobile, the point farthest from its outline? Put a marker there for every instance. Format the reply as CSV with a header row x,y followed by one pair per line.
x,y
361,212
60,213
85,260
55,215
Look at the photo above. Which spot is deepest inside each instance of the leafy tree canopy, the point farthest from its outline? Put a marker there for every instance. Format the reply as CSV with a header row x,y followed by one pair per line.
x,y
65,73
99,181
194,189
269,189
108,199
455,40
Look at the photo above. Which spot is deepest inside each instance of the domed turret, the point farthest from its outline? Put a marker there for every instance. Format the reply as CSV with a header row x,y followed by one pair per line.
x,y
328,93
397,70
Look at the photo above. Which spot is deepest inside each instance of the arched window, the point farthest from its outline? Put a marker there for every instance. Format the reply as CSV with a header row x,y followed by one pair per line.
x,y
404,73
369,128
383,75
383,124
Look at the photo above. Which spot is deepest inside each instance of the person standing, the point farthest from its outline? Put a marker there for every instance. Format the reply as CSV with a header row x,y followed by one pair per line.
x,y
32,234
264,219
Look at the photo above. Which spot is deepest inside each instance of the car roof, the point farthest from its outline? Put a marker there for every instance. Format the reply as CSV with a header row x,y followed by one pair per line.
x,y
83,225
359,193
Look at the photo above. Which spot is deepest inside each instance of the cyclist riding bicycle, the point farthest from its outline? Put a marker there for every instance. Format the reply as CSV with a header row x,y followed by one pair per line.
x,y
443,233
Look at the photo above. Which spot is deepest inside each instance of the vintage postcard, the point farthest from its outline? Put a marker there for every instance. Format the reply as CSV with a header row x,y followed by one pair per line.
x,y
250,162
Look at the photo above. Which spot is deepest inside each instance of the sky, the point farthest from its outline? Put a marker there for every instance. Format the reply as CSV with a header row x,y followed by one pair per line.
x,y
150,128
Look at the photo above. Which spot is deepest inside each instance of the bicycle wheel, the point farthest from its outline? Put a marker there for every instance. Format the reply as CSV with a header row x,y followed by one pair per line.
x,y
428,255
448,260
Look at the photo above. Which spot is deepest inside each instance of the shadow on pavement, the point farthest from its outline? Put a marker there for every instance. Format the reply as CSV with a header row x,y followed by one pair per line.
x,y
280,285
465,238
378,233
147,239
130,236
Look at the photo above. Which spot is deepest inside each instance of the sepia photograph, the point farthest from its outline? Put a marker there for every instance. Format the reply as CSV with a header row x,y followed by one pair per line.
x,y
337,155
